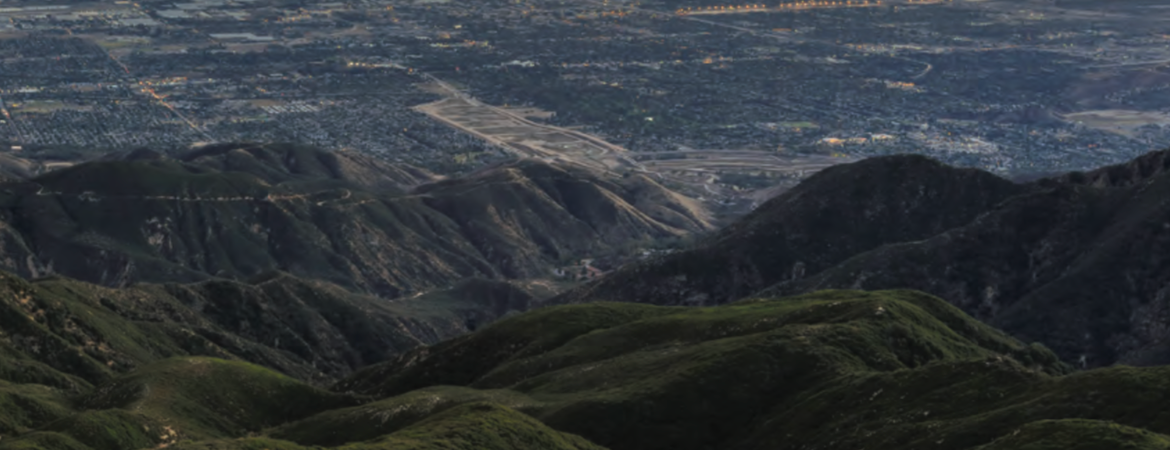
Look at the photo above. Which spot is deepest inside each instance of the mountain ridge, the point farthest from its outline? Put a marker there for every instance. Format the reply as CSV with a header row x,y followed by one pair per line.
x,y
790,234
1083,246
755,344
233,212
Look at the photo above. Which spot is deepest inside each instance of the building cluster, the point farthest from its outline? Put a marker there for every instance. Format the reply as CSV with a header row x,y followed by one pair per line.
x,y
851,77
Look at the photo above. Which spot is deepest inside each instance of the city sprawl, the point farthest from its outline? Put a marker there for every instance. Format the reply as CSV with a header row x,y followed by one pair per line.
x,y
717,97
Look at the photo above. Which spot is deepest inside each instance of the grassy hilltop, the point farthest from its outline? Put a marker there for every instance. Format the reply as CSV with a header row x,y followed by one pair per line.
x,y
831,370
71,335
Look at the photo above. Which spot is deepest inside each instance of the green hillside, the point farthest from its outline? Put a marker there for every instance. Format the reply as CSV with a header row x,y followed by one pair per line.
x,y
472,426
70,335
197,402
175,400
829,370
631,376
205,397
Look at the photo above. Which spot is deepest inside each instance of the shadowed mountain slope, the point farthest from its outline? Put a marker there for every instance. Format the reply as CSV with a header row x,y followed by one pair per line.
x,y
828,218
1078,263
519,212
1120,175
235,212
1075,261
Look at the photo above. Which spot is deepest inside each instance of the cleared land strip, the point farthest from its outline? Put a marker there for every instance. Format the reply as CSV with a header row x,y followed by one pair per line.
x,y
523,137
518,134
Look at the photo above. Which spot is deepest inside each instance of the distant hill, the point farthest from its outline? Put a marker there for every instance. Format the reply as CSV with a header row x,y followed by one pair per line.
x,y
236,211
1077,263
826,219
1073,261
275,163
